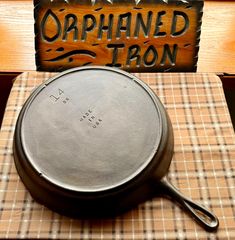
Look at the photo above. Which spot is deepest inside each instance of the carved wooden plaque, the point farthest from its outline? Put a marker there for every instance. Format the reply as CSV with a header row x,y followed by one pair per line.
x,y
135,35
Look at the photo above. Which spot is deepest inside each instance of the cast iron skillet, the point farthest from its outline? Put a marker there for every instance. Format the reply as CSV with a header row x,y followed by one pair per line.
x,y
95,141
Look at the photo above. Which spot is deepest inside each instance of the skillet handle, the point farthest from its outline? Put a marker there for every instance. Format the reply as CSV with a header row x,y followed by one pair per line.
x,y
203,216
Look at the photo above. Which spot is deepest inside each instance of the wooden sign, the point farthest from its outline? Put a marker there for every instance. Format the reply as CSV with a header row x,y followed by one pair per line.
x,y
135,35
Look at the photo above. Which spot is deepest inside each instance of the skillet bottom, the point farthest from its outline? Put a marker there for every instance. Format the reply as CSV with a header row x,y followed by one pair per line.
x,y
51,150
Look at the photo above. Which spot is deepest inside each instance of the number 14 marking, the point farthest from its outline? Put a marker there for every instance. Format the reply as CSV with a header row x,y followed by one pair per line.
x,y
55,98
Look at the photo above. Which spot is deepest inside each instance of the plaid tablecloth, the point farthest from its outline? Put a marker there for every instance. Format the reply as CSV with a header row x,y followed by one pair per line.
x,y
203,168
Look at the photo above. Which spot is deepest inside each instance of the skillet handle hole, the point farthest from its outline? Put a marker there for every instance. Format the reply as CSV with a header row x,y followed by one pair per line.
x,y
202,215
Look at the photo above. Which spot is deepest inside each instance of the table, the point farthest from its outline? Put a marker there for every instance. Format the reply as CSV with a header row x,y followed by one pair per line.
x,y
203,168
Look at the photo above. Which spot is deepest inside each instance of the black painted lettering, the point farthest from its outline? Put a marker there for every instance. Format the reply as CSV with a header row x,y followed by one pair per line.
x,y
86,27
115,48
169,54
121,27
159,23
103,28
68,27
185,27
150,56
49,14
133,55
140,23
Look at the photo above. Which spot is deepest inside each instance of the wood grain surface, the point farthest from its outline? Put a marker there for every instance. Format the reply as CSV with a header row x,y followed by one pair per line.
x,y
217,45
137,38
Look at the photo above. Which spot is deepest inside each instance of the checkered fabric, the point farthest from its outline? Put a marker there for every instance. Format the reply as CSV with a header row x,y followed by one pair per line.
x,y
203,168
